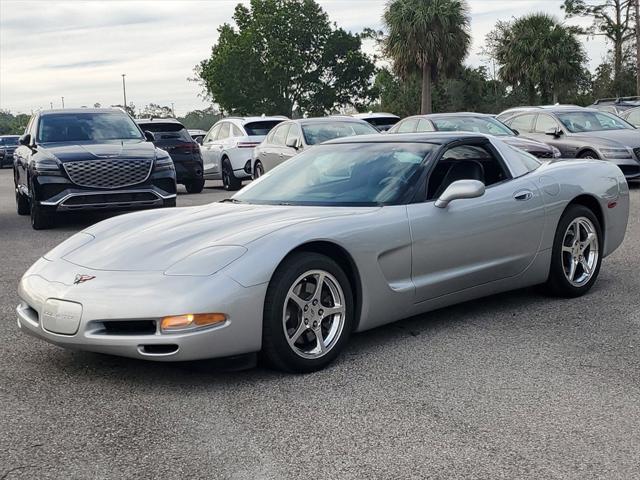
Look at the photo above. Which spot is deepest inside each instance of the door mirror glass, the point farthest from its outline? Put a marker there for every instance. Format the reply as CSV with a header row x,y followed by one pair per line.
x,y
460,189
293,143
149,136
25,139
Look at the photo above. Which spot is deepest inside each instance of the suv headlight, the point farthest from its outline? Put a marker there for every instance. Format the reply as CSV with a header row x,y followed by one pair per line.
x,y
616,153
47,166
207,261
163,164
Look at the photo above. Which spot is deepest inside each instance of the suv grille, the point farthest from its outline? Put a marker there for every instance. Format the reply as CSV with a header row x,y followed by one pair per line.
x,y
113,173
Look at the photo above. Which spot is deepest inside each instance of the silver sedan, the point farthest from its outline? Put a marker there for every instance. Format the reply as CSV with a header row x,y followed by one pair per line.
x,y
344,237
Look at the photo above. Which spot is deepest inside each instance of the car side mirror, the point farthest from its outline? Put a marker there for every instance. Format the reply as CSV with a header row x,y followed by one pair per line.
x,y
554,132
293,143
25,140
460,189
149,136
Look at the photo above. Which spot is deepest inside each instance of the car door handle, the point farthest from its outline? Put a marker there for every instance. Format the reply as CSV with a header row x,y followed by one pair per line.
x,y
523,195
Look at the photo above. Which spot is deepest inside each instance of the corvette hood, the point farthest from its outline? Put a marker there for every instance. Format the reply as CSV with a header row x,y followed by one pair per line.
x,y
156,239
66,152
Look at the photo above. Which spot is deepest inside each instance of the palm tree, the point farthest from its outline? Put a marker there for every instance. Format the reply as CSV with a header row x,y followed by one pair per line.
x,y
538,53
427,36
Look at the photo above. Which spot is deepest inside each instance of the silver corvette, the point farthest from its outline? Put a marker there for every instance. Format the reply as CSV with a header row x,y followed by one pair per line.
x,y
344,237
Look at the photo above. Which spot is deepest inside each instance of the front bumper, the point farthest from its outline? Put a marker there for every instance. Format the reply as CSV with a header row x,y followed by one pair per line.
x,y
122,299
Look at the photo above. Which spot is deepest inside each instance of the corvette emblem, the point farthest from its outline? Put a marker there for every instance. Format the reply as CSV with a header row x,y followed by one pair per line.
x,y
82,278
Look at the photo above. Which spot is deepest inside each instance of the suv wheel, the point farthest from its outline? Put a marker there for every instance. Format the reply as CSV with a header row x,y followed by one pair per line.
x,y
194,186
41,219
229,180
22,203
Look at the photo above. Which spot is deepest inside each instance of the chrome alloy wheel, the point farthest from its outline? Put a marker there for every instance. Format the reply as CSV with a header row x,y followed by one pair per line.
x,y
580,251
313,315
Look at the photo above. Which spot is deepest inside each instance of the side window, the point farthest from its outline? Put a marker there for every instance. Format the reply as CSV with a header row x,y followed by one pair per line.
x,y
424,125
408,126
280,135
544,123
634,117
465,162
294,134
211,135
236,132
224,131
529,162
522,123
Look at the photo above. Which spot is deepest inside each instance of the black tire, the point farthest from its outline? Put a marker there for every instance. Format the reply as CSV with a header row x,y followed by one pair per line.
x,y
557,284
589,154
258,170
41,219
194,186
229,180
22,204
276,350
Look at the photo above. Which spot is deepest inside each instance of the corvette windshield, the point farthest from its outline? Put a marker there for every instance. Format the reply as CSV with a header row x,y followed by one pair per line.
x,y
341,174
87,127
577,122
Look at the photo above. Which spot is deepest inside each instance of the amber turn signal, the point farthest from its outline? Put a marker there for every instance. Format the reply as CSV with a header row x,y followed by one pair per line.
x,y
191,320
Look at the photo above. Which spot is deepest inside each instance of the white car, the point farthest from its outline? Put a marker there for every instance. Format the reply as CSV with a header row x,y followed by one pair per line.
x,y
228,146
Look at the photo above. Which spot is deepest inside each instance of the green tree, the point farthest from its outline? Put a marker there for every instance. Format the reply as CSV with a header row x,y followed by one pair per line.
x,y
539,54
429,37
13,124
613,19
200,119
284,55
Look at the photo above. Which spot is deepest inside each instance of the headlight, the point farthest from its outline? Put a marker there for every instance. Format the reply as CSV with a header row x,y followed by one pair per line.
x,y
207,261
47,166
556,152
616,153
163,164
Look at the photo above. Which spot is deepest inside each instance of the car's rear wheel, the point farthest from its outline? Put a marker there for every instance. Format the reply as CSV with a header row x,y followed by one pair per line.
x,y
194,186
577,253
308,313
229,180
258,169
22,203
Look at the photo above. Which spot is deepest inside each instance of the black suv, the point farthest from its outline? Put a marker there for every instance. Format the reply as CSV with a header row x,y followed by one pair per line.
x,y
170,135
8,145
89,159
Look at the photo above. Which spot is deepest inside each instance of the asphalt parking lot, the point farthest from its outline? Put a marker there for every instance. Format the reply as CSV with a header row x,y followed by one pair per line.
x,y
513,386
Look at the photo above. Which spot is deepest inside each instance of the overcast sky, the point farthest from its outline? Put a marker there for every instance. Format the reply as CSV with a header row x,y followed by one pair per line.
x,y
79,49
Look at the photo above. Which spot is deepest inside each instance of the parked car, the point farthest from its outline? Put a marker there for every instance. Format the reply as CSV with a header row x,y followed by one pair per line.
x,y
512,111
381,121
473,122
344,237
617,105
89,159
294,136
197,135
228,147
8,145
171,136
583,133
632,116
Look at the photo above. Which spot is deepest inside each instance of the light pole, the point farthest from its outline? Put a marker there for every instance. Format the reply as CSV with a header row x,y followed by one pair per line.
x,y
124,92
173,111
62,102
51,103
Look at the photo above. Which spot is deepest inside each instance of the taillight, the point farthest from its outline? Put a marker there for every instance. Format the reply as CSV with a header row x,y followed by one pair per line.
x,y
186,148
247,144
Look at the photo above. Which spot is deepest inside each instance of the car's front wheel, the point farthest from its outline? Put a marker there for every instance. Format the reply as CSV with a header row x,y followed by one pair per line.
x,y
308,313
258,169
22,203
577,253
41,219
